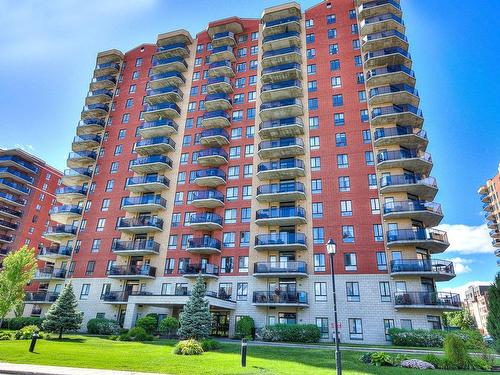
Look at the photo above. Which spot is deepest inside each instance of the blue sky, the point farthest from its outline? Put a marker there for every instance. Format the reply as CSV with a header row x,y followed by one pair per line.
x,y
49,49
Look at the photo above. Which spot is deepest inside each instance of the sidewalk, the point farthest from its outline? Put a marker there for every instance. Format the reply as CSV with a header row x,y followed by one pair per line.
x,y
12,368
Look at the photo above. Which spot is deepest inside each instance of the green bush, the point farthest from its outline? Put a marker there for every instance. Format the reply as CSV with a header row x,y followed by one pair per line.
x,y
210,344
244,327
4,324
23,321
27,332
188,347
101,326
366,358
137,334
148,323
455,351
434,338
169,325
304,333
381,359
5,336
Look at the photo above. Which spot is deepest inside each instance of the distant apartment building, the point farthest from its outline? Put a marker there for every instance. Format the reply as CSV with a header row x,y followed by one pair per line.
x,y
237,154
476,301
490,196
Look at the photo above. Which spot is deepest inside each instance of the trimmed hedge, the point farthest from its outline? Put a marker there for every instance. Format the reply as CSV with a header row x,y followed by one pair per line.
x,y
303,333
101,326
149,323
244,327
23,321
434,338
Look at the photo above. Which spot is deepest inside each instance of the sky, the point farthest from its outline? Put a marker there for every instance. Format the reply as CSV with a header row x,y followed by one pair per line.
x,y
49,49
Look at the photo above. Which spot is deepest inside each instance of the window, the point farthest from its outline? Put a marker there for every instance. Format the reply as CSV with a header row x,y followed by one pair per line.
x,y
354,28
106,288
311,53
225,290
318,235
254,35
233,172
84,293
336,81
311,69
378,232
345,208
381,261
334,65
240,82
312,86
344,183
434,322
138,61
317,210
252,80
248,151
229,239
355,329
241,291
357,61
322,324
350,262
243,264
246,215
352,290
118,149
333,49
355,45
314,142
340,140
132,89
313,103
125,118
241,67
316,186
244,239
362,96
363,114
342,161
367,137
90,268
181,179
331,19
114,167
241,52
332,33
385,291
129,103
237,115
226,264
360,78
247,192
310,38
230,216
253,64
309,23
96,245
338,100
372,181
315,163
172,242
252,96
232,193
234,152
320,291
375,205
247,170
406,324
338,119
100,225
319,263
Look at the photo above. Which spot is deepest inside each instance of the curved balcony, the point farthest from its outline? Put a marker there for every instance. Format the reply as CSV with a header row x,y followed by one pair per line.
x,y
218,101
280,298
135,248
390,75
387,56
384,39
427,300
214,137
383,22
288,39
103,82
492,224
285,169
284,72
132,272
206,270
147,184
160,111
13,174
10,213
4,238
281,56
95,110
280,269
216,119
90,126
204,245
404,136
81,159
423,187
483,190
64,213
151,164
488,206
281,192
19,163
281,25
70,194
172,50
221,69
495,242
11,199
107,68
157,81
485,198
171,64
102,96
143,224
281,216
40,297
436,241
60,233
212,157
54,253
414,160
48,274
397,114
207,199
281,109
164,94
155,145
378,7
160,128
146,203
219,84
283,241
7,225
281,90
281,148
85,142
490,215
13,187
209,177
76,176
394,94
495,233
208,221
222,53
429,213
288,127
439,270
223,39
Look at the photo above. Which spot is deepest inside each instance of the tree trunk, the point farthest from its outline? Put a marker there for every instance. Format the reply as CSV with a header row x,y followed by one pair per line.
x,y
60,333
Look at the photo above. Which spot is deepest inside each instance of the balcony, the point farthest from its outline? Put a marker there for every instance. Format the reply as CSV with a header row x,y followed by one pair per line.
x,y
104,82
172,64
146,203
212,157
160,111
222,53
85,142
107,68
387,56
4,238
383,22
436,241
281,56
164,94
283,241
285,169
223,39
280,298
414,184
155,145
281,148
10,213
19,163
147,184
429,213
95,110
60,233
288,39
281,90
13,187
157,81
221,69
112,55
218,101
280,269
219,84
488,206
490,215
485,198
7,225
13,174
494,233
206,270
279,73
76,176
64,213
288,127
495,242
135,248
281,216
204,245
397,114
214,137
151,164
90,126
439,270
172,50
207,199
281,192
11,199
142,224
160,128
81,159
404,136
209,177
54,253
281,25
48,274
427,300
394,94
70,194
378,7
390,75
118,297
281,109
414,160
131,272
41,297
384,39
216,119
207,221
492,224
102,96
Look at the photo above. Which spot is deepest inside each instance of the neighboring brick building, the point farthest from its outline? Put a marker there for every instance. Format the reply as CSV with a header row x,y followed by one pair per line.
x,y
237,154
476,301
490,196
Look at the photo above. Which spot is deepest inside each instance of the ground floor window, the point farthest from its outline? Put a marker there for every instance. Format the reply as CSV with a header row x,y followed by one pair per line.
x,y
355,329
100,315
287,318
322,324
434,322
406,324
388,324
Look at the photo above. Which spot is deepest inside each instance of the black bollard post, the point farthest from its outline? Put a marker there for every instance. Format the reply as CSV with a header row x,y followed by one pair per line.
x,y
244,353
33,342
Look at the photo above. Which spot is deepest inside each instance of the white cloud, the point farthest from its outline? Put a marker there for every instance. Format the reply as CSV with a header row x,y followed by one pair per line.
x,y
466,239
461,265
462,288
26,147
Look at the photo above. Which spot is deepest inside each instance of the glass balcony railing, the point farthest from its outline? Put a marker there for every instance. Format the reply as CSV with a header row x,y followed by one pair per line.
x,y
215,114
145,270
388,70
21,162
12,198
165,90
217,96
62,229
8,224
422,265
387,52
283,187
281,51
140,180
222,49
226,34
281,85
288,34
282,238
143,221
428,299
281,142
204,242
160,106
92,122
72,190
49,273
213,152
153,159
280,297
281,164
211,172
280,212
282,21
66,209
373,4
139,245
165,75
395,109
417,234
219,64
175,59
42,296
78,172
412,206
214,133
281,123
280,267
100,92
159,123
14,185
280,68
170,47
155,141
215,80
11,170
399,131
205,217
56,251
104,78
280,103
207,194
384,34
391,89
5,238
381,18
407,179
203,268
403,154
87,138
10,211
94,107
144,200
108,65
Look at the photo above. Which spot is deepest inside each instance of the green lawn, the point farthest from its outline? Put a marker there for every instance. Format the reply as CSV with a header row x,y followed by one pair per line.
x,y
156,356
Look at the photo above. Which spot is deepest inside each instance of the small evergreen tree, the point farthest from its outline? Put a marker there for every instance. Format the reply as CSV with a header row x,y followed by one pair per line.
x,y
461,318
62,315
493,321
195,318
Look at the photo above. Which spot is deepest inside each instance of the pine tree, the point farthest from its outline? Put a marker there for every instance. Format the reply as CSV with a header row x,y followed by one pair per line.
x,y
195,319
493,321
62,315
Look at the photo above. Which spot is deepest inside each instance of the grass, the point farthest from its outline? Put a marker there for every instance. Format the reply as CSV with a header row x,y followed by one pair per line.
x,y
156,356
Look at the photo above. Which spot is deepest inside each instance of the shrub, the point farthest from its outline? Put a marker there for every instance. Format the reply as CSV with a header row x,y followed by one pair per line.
x,y
244,327
434,338
23,321
5,336
381,359
169,325
210,344
4,324
478,363
114,337
366,358
304,333
27,332
148,323
439,362
102,326
455,351
136,334
188,347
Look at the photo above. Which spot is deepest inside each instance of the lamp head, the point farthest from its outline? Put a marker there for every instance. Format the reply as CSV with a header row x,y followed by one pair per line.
x,y
331,247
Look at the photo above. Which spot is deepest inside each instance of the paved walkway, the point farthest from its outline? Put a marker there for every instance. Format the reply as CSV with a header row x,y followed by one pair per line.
x,y
11,368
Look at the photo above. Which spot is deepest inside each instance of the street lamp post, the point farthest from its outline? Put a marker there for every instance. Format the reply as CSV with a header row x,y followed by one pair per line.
x,y
331,248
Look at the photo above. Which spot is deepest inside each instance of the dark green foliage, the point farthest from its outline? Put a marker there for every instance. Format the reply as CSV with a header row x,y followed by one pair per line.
x,y
195,318
493,321
434,338
381,359
169,325
101,326
291,333
244,327
148,323
188,347
136,334
210,344
366,358
18,323
455,351
461,318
